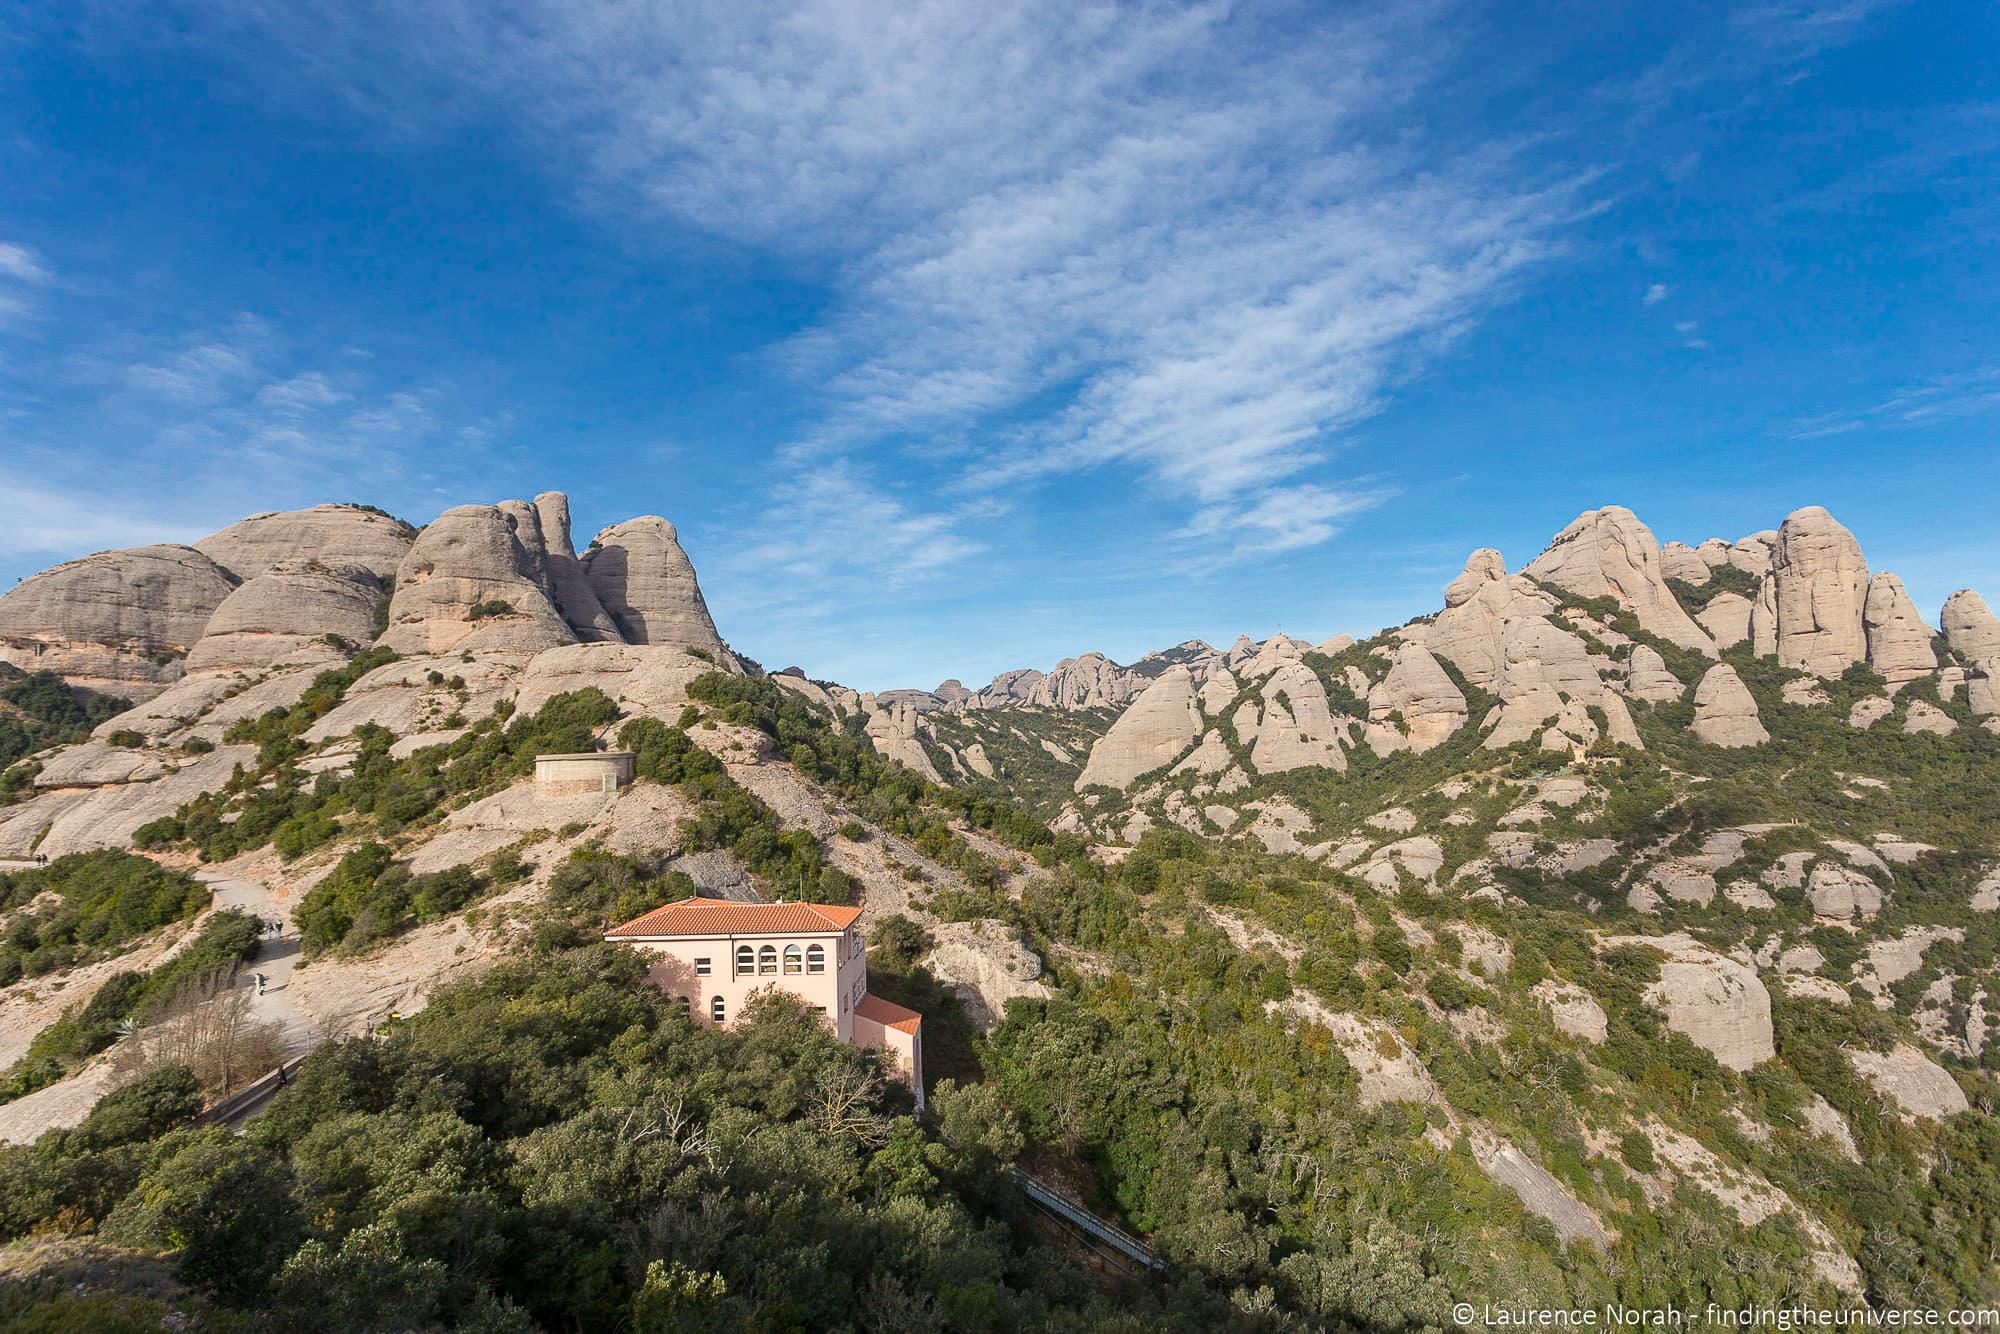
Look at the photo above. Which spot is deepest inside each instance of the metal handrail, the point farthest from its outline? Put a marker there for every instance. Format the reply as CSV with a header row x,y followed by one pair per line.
x,y
1077,1216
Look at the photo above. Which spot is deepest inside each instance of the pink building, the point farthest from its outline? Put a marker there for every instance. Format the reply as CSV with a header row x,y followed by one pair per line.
x,y
714,953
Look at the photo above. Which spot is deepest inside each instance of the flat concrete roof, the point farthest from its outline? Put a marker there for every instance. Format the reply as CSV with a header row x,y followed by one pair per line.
x,y
592,755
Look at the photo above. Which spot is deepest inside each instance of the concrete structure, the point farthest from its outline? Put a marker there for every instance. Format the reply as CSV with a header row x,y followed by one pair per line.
x,y
584,774
714,954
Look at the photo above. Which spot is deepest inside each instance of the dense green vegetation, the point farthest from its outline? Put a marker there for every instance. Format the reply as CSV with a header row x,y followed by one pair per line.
x,y
102,900
38,710
554,1146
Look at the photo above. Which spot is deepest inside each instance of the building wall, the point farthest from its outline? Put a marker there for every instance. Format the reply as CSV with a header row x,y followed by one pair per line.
x,y
581,775
674,973
906,1050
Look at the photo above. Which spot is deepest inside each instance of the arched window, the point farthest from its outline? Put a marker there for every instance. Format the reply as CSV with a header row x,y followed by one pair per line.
x,y
686,1003
715,1010
767,959
746,959
815,958
792,964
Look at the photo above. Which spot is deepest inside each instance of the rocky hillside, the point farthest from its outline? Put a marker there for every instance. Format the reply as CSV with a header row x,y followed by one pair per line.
x,y
1625,928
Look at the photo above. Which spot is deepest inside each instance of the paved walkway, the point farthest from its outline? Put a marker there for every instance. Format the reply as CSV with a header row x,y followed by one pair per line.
x,y
275,958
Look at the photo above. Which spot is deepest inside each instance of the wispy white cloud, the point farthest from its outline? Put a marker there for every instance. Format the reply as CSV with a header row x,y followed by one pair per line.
x,y
22,269
1277,520
846,536
43,519
1942,398
182,432
1058,237
22,264
1656,294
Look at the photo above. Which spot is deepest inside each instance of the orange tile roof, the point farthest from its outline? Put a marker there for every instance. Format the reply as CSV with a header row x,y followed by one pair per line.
x,y
725,917
888,1014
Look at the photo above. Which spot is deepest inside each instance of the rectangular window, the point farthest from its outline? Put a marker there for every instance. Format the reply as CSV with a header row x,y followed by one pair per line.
x,y
701,968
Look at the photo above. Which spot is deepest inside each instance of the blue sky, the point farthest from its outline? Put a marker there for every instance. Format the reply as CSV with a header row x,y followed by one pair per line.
x,y
958,337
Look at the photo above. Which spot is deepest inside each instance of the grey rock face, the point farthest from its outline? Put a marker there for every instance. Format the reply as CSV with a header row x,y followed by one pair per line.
x,y
646,582
1970,628
1419,693
473,559
1647,677
1609,553
1725,713
115,623
337,534
1899,643
287,613
569,585
1726,618
1818,585
1153,730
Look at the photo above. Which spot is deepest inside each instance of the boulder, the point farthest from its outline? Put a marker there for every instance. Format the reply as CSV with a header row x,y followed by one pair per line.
x,y
1969,627
1574,1010
1868,711
1754,554
1647,677
476,580
1725,714
1917,1085
115,623
1982,688
1818,585
1154,729
1804,692
1899,643
565,577
291,613
1609,553
1715,1001
1841,892
1681,561
1726,618
1422,694
646,582
336,534
1928,718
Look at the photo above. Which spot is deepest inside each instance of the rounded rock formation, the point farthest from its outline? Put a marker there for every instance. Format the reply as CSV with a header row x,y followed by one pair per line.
x,y
1816,589
1899,643
1157,726
646,582
294,610
1609,553
567,582
115,623
470,583
338,534
1970,628
1725,713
